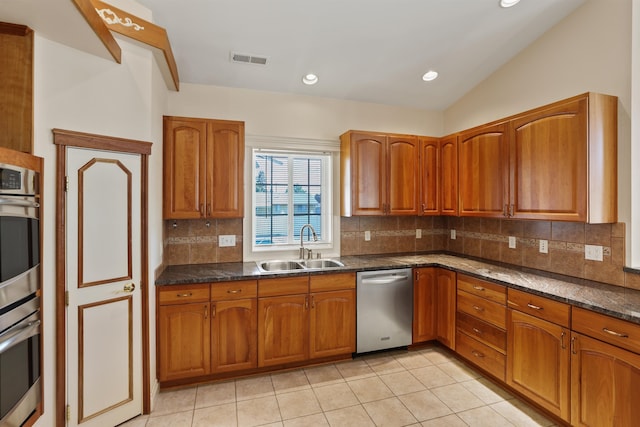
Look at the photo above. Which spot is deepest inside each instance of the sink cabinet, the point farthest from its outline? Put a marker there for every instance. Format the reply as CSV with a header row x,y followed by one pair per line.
x,y
203,168
379,174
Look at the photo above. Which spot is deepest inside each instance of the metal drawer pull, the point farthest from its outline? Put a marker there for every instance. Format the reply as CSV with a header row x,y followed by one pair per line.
x,y
477,354
475,307
188,294
614,333
234,291
477,331
478,288
535,307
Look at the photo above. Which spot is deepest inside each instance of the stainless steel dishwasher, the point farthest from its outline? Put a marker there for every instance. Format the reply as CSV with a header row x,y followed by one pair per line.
x,y
384,309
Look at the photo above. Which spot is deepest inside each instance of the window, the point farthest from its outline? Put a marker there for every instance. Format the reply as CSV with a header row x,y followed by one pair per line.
x,y
290,190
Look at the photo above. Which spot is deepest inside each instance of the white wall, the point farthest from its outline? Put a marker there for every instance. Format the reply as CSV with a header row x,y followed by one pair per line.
x,y
295,116
589,51
80,92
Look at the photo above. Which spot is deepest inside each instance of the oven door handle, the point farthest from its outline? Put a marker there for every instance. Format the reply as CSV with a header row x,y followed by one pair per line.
x,y
18,334
19,202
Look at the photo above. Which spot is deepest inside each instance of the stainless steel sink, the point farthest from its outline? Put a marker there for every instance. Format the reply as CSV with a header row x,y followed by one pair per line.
x,y
322,263
278,265
284,266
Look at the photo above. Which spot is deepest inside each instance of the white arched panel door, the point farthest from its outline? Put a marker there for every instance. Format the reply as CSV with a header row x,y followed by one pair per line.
x,y
104,354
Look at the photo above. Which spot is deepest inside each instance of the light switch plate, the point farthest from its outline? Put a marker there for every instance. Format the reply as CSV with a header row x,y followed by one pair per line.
x,y
367,236
418,233
593,252
512,242
544,246
453,234
226,240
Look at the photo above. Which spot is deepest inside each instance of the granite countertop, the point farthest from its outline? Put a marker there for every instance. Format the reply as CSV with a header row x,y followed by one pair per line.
x,y
616,301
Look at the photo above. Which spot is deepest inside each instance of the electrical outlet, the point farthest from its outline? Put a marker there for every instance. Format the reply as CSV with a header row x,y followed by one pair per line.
x,y
544,246
226,240
367,236
418,233
593,252
512,242
453,234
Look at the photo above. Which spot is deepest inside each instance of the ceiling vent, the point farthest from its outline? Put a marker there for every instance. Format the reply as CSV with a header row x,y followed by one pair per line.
x,y
246,58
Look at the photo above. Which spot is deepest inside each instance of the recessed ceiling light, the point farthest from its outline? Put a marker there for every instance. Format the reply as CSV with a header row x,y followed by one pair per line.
x,y
430,75
508,3
310,79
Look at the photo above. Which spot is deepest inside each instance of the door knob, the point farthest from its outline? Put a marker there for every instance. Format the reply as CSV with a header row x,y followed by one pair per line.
x,y
130,287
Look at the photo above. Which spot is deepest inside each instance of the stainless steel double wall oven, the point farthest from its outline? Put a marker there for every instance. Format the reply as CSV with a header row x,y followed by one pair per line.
x,y
20,329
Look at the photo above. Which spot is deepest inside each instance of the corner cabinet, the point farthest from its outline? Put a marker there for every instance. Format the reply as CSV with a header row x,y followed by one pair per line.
x,y
203,168
446,311
424,304
379,174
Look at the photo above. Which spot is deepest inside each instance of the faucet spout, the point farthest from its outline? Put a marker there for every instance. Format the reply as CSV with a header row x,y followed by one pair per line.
x,y
313,234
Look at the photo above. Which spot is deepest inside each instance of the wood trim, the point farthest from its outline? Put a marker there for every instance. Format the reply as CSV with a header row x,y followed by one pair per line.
x,y
63,139
145,32
14,29
82,170
129,300
87,10
100,142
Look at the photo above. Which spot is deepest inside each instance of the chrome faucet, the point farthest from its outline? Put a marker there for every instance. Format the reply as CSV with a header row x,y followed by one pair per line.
x,y
304,251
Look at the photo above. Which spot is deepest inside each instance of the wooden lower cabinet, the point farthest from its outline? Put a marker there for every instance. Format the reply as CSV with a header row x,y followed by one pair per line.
x,y
234,326
424,304
283,329
605,384
446,311
538,361
184,333
332,326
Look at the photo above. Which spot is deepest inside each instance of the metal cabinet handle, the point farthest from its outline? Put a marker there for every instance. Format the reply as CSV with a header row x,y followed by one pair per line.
x,y
202,209
185,295
510,210
213,310
562,340
535,307
478,288
234,291
573,345
475,307
129,287
477,354
614,333
504,211
477,331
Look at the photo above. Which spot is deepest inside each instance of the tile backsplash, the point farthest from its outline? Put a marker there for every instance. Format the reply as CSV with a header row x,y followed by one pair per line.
x,y
195,241
488,238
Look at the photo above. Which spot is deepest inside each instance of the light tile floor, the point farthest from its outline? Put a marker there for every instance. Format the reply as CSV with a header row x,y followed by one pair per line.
x,y
427,387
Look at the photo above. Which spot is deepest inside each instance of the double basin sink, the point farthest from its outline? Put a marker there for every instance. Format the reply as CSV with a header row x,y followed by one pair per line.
x,y
279,266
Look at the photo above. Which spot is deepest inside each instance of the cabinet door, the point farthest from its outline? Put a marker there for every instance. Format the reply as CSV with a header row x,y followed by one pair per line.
x,y
446,307
225,170
332,328
403,185
368,174
538,361
184,166
234,335
548,151
605,384
449,176
183,341
283,329
430,172
424,304
484,166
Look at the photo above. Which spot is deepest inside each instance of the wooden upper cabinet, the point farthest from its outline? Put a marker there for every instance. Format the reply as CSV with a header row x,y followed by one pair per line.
x,y
379,174
483,171
563,161
16,87
448,175
203,168
430,173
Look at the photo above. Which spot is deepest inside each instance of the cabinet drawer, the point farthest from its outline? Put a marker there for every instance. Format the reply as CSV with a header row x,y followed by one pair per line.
x,y
482,288
608,329
234,290
482,355
183,294
544,308
283,286
332,282
482,309
487,333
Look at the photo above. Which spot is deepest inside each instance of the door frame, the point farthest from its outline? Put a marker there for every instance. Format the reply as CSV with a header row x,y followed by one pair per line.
x,y
64,139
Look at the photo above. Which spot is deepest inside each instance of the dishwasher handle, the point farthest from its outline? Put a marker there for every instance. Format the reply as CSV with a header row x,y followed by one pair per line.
x,y
384,280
